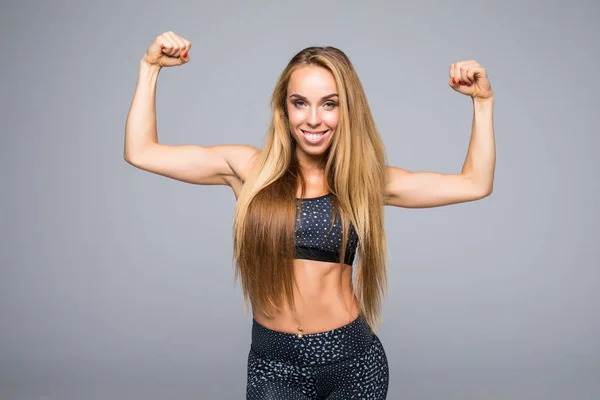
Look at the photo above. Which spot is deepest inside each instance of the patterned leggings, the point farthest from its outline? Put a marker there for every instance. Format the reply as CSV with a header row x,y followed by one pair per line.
x,y
345,363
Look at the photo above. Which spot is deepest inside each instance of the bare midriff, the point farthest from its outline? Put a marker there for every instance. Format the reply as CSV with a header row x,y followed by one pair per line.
x,y
324,300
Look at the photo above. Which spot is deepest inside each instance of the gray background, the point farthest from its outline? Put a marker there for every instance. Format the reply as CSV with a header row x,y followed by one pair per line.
x,y
118,284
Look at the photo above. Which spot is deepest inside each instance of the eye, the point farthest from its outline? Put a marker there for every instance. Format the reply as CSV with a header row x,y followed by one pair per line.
x,y
330,104
299,103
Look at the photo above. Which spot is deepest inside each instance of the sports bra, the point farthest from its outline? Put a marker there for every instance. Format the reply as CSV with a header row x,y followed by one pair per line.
x,y
316,239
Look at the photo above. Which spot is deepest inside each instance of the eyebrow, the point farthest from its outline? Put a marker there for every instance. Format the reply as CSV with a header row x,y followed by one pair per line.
x,y
322,98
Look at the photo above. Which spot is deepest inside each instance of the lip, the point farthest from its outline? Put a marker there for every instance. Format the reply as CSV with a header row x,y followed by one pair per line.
x,y
318,140
305,131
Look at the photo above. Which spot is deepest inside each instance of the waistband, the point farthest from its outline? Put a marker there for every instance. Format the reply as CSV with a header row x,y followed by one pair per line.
x,y
315,348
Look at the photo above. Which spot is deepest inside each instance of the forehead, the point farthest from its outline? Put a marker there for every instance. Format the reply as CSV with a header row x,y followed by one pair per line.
x,y
312,80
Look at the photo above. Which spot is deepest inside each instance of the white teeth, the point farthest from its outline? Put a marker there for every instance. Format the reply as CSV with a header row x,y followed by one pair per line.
x,y
313,136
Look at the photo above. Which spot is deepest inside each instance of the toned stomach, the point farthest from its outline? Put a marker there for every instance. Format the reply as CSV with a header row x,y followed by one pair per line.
x,y
324,300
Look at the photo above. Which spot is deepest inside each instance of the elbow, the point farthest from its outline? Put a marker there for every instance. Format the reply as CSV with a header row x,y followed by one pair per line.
x,y
480,188
135,155
132,155
129,158
485,191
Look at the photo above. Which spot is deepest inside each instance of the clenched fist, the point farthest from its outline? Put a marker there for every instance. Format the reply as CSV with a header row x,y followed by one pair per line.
x,y
470,78
168,50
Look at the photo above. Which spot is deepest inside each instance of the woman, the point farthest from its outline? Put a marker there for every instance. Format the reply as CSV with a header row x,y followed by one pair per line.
x,y
310,213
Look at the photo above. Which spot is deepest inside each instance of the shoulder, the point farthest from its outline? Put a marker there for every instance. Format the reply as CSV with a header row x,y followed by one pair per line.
x,y
241,160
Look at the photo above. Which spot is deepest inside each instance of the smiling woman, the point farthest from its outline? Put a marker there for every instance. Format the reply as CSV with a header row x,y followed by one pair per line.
x,y
313,118
309,214
304,207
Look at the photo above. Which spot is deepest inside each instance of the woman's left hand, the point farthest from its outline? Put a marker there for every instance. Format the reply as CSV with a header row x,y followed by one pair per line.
x,y
470,78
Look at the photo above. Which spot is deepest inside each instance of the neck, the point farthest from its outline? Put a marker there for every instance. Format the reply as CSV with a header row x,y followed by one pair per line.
x,y
311,165
313,172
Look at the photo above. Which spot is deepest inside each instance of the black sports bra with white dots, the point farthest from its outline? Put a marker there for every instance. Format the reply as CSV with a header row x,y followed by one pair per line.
x,y
316,239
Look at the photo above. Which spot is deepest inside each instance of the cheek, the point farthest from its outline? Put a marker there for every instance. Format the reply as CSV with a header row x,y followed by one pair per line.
x,y
331,119
295,118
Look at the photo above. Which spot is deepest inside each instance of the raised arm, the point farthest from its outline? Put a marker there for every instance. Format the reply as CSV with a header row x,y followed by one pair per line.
x,y
204,165
475,181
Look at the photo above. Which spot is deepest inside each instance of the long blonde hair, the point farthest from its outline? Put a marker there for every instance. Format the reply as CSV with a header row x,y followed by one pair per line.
x,y
263,233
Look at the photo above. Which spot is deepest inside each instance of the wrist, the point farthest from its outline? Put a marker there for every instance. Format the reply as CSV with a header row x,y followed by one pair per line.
x,y
488,101
145,65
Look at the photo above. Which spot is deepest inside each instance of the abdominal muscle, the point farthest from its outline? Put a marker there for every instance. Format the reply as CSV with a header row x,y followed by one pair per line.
x,y
322,300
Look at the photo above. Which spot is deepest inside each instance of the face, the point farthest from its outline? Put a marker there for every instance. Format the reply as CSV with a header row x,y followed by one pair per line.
x,y
313,110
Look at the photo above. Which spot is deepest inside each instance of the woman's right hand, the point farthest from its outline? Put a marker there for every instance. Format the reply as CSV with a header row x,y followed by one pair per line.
x,y
168,50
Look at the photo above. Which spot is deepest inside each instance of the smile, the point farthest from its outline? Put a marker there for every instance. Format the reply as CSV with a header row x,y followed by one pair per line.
x,y
314,137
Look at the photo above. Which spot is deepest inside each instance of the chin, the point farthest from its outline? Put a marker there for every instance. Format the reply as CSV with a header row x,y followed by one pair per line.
x,y
314,151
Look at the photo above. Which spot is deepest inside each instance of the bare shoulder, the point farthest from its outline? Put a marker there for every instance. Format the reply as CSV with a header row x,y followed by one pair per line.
x,y
241,159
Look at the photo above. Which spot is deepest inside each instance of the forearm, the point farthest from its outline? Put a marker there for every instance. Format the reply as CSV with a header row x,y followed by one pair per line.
x,y
140,127
481,157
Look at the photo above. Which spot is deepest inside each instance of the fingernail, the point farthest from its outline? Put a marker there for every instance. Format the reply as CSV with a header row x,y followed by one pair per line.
x,y
185,53
453,80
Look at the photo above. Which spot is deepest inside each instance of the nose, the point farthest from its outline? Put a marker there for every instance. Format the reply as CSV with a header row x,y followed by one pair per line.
x,y
314,117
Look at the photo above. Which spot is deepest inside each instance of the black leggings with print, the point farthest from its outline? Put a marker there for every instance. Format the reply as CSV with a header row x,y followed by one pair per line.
x,y
345,363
